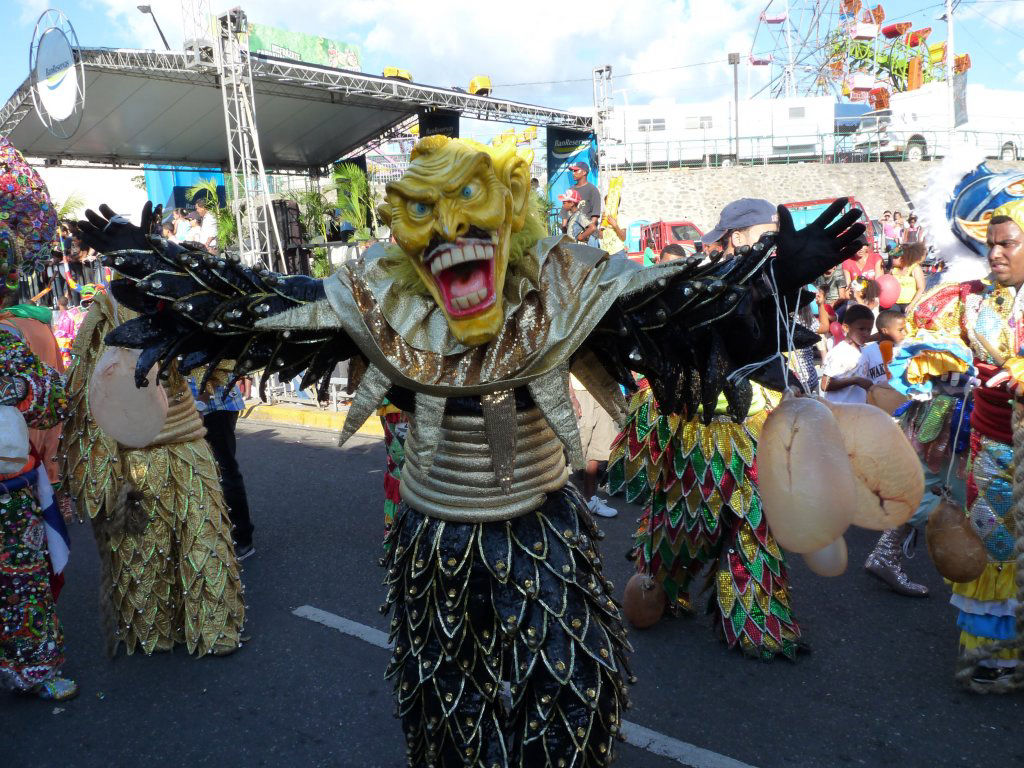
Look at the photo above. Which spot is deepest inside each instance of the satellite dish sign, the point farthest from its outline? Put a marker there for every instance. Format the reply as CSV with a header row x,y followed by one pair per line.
x,y
58,78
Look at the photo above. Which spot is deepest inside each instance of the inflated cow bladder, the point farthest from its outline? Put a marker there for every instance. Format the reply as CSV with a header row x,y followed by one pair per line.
x,y
131,415
889,479
808,487
954,546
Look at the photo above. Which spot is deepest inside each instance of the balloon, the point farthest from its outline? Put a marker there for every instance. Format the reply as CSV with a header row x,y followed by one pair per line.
x,y
889,290
885,397
807,483
955,547
644,601
889,481
836,329
829,561
131,415
14,447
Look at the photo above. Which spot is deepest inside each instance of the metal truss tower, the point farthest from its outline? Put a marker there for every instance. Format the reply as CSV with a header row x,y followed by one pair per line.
x,y
247,180
602,107
197,26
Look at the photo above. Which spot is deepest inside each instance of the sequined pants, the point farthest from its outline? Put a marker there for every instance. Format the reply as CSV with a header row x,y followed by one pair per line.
x,y
519,602
31,640
171,576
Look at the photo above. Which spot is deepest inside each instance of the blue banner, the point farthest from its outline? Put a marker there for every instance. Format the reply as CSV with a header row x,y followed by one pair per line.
x,y
566,147
170,186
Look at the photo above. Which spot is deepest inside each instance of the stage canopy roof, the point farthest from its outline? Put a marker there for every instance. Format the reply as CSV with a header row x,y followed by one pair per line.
x,y
164,108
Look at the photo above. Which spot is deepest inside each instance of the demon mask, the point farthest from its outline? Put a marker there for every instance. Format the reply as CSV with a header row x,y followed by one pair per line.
x,y
453,214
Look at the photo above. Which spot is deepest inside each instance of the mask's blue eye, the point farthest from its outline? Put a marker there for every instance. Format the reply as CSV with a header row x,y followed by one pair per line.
x,y
468,191
420,209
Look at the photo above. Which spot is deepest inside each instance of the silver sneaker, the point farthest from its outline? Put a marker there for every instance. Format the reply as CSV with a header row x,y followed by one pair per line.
x,y
884,564
600,507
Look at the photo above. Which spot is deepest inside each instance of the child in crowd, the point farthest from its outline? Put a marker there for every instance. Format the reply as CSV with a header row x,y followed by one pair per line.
x,y
890,326
866,292
906,268
855,364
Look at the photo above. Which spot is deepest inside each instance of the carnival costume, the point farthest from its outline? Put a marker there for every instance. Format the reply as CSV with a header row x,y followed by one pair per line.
x,y
986,316
31,528
697,482
31,640
471,321
158,515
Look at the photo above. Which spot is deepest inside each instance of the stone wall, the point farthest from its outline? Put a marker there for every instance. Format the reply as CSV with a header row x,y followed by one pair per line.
x,y
698,194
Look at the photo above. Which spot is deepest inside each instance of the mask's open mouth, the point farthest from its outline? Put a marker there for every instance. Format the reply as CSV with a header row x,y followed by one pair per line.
x,y
464,274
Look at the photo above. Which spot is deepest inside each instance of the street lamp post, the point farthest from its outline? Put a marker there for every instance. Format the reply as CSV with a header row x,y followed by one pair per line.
x,y
734,59
149,9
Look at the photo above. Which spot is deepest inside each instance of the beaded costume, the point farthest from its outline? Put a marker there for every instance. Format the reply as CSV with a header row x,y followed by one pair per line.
x,y
986,309
158,515
31,640
471,322
698,485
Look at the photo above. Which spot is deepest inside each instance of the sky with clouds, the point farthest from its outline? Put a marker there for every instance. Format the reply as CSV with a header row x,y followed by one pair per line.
x,y
540,51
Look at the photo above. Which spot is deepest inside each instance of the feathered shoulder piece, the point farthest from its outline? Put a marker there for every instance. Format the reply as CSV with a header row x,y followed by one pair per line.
x,y
200,309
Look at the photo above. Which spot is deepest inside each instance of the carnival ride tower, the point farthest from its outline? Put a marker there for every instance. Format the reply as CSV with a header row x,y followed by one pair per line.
x,y
789,39
846,49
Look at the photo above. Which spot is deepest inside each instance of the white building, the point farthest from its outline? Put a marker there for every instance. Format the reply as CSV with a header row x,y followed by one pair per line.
x,y
705,132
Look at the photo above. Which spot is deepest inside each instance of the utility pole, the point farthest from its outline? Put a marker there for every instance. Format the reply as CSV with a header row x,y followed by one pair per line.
x,y
603,111
950,55
734,59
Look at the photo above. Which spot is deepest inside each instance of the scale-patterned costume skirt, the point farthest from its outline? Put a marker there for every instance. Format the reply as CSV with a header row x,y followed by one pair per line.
x,y
522,602
698,485
158,514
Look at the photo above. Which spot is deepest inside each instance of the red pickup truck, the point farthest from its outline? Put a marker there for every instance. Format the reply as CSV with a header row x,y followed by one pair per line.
x,y
661,233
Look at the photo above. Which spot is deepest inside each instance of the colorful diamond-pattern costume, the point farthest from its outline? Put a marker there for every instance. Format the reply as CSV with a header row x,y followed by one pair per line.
x,y
396,425
698,485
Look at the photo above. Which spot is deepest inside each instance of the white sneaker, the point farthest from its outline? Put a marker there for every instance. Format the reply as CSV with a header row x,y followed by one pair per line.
x,y
600,508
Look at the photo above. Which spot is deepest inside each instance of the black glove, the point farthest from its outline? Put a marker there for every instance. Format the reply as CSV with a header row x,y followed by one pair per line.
x,y
806,255
108,232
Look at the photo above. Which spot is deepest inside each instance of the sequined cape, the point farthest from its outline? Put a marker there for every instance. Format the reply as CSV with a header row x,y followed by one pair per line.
x,y
31,638
698,485
158,515
986,605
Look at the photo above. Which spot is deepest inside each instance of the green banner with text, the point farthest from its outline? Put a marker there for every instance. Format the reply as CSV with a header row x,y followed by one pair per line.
x,y
311,49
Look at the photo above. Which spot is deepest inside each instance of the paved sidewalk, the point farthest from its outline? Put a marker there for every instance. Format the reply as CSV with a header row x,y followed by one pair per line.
x,y
309,416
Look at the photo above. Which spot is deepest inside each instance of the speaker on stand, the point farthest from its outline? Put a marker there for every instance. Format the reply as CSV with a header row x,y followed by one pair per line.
x,y
289,228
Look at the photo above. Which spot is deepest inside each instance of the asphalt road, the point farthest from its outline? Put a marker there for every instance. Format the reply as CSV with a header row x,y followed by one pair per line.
x,y
876,691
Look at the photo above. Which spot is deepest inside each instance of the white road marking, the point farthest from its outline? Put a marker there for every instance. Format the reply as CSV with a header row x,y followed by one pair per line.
x,y
637,735
340,623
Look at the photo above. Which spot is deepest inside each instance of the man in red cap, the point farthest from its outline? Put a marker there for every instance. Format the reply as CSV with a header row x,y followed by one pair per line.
x,y
590,202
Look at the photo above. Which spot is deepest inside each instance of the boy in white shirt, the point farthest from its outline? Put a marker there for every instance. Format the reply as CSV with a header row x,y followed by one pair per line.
x,y
854,365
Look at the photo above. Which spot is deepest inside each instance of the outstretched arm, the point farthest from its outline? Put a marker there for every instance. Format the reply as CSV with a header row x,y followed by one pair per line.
x,y
199,309
688,325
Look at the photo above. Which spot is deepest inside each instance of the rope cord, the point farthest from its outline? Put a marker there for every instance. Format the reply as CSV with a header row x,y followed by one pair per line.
x,y
956,434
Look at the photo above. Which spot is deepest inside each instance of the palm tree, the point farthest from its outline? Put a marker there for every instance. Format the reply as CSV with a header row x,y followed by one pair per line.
x,y
227,231
355,201
71,208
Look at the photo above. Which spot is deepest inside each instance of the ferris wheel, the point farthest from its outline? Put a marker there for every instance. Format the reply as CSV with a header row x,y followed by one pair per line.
x,y
846,49
791,45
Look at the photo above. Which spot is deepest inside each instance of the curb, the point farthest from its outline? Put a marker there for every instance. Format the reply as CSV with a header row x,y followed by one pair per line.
x,y
310,417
